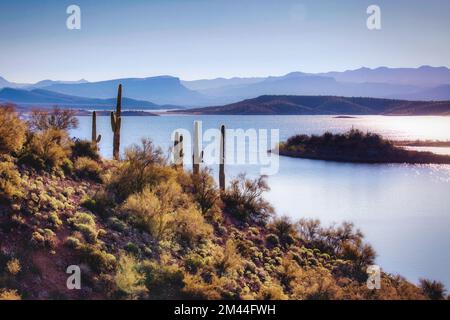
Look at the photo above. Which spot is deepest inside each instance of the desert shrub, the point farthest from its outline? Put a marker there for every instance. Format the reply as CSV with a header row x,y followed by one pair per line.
x,y
315,284
189,227
87,168
13,266
43,238
98,260
204,191
272,240
12,130
143,168
271,291
128,278
148,212
85,223
10,182
116,224
55,220
284,229
243,200
6,294
434,290
227,260
47,150
163,281
56,119
85,149
72,242
100,203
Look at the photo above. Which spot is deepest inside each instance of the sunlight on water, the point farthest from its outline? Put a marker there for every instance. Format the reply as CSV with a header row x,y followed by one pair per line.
x,y
404,210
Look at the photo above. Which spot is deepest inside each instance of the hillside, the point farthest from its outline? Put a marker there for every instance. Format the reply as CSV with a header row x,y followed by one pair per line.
x,y
324,105
141,228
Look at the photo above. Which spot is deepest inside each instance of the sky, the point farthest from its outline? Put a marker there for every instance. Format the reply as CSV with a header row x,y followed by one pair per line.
x,y
200,39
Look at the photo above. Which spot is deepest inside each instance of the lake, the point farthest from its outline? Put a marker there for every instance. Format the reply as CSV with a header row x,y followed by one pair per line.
x,y
403,210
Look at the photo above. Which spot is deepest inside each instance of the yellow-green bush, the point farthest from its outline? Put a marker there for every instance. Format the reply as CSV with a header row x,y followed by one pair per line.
x,y
85,223
10,182
163,281
47,150
12,130
7,294
128,278
190,228
87,168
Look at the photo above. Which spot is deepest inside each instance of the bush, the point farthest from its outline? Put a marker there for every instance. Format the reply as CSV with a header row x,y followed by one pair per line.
x,y
143,168
87,168
434,290
85,149
6,294
204,191
98,260
12,130
56,119
227,260
272,240
44,238
13,266
163,281
146,211
47,150
244,201
10,182
85,223
284,229
128,278
190,228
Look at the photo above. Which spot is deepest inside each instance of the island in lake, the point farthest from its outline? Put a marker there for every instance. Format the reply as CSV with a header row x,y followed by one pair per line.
x,y
355,146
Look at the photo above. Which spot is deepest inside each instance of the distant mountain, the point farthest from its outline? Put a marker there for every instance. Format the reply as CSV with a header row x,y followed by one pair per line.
x,y
47,83
45,98
160,90
324,105
424,76
439,93
200,85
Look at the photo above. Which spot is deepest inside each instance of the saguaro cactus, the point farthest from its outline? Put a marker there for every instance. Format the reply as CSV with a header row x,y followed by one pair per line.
x,y
178,152
197,156
116,123
95,139
222,159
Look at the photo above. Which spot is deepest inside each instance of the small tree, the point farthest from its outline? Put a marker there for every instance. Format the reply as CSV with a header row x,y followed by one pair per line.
x,y
56,119
12,130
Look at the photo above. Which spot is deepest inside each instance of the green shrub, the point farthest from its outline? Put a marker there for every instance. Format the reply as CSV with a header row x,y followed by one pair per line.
x,y
189,227
12,130
284,229
98,260
163,281
142,168
85,223
72,242
46,150
243,200
85,149
43,238
87,168
10,182
128,278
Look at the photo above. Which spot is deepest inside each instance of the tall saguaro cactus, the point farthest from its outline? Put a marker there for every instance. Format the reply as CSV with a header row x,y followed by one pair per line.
x,y
116,123
197,156
222,159
178,152
95,139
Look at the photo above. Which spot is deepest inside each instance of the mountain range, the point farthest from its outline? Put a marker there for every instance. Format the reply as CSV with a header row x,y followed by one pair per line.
x,y
423,83
325,105
45,98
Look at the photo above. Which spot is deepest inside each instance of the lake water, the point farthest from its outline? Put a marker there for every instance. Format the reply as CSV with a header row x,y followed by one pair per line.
x,y
404,210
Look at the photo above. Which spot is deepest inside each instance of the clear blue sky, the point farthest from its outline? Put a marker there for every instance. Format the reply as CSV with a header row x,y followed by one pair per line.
x,y
196,39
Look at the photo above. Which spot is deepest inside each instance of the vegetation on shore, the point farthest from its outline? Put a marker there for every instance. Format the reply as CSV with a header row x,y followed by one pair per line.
x,y
140,228
355,146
